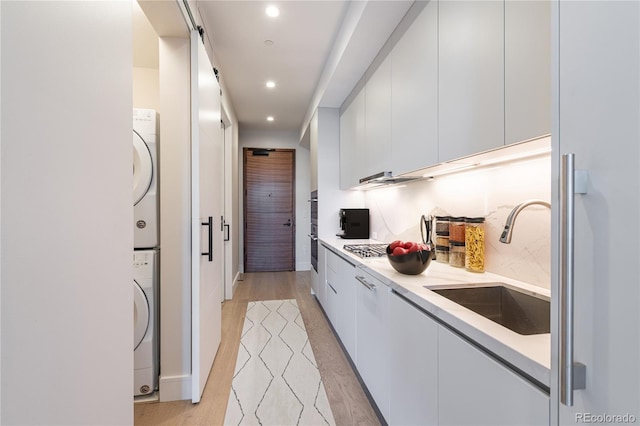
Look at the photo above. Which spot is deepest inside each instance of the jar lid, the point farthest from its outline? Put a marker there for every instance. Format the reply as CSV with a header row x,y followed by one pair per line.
x,y
442,233
442,248
456,243
443,217
457,219
475,219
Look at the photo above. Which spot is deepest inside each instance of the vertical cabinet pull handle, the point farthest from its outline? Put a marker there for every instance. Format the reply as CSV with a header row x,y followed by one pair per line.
x,y
572,375
209,224
227,236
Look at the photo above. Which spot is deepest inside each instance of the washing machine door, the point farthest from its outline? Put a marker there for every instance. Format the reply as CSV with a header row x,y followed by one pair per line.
x,y
140,315
142,168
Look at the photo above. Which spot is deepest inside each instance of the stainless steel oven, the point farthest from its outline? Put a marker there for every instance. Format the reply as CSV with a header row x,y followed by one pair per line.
x,y
314,229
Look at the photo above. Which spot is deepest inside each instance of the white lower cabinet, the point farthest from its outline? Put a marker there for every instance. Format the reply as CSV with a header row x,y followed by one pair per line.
x,y
321,292
474,389
372,337
416,369
341,300
413,359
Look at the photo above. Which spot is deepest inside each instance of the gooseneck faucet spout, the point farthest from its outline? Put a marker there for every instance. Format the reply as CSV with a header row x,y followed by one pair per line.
x,y
508,226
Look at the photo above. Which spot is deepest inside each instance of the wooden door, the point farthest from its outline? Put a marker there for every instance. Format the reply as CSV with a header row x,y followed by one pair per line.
x,y
269,209
206,212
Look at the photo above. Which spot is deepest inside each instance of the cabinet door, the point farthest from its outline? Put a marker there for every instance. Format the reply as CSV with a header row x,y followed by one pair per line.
x,y
414,97
331,297
413,363
372,341
474,389
321,293
342,293
471,77
352,150
527,43
378,119
598,120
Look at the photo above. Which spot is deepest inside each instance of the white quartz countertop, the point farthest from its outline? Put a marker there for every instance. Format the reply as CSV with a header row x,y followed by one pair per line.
x,y
530,354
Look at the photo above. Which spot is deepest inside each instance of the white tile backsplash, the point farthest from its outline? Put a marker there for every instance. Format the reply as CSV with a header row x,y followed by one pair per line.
x,y
490,192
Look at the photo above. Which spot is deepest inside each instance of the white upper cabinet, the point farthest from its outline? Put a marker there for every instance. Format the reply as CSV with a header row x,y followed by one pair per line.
x,y
414,99
352,148
378,118
456,78
527,70
471,77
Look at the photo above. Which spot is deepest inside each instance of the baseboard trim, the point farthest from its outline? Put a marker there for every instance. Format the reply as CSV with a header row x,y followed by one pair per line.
x,y
303,266
236,279
175,388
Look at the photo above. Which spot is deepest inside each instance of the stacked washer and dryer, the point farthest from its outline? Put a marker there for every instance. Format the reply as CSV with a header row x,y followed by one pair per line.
x,y
145,254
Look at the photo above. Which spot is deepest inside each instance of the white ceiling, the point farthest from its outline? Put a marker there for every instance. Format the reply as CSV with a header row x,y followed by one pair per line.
x,y
302,37
320,50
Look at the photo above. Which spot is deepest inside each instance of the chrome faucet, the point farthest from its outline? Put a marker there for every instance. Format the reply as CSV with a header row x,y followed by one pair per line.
x,y
508,226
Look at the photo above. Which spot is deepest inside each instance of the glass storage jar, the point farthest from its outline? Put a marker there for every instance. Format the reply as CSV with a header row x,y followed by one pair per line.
x,y
456,254
442,225
474,244
442,241
442,254
456,229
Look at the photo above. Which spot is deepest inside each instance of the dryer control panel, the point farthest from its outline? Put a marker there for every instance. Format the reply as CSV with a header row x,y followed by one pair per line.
x,y
144,263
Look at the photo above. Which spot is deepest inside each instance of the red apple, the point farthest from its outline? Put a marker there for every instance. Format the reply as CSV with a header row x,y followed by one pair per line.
x,y
399,251
396,243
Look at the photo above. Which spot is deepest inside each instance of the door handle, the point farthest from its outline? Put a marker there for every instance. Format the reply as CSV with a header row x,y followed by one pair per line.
x,y
288,223
209,224
572,374
228,232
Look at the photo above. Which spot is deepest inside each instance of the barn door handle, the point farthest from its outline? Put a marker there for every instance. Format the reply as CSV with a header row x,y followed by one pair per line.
x,y
209,223
288,223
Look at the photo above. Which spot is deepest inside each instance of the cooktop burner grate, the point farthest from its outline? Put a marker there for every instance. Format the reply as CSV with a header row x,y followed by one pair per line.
x,y
367,250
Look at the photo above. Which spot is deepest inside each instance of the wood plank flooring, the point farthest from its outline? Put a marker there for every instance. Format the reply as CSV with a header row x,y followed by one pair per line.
x,y
348,401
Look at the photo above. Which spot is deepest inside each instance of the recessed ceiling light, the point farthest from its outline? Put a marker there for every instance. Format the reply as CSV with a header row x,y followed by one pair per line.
x,y
270,118
271,84
272,11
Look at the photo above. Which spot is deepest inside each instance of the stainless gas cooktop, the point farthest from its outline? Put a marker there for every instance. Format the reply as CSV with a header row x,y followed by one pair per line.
x,y
367,250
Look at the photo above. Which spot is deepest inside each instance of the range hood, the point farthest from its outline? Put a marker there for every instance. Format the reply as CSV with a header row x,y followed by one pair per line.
x,y
383,178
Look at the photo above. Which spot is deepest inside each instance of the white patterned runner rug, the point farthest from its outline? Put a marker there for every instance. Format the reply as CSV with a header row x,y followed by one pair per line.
x,y
276,380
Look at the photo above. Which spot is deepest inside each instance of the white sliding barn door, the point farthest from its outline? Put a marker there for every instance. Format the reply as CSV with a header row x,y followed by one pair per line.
x,y
206,212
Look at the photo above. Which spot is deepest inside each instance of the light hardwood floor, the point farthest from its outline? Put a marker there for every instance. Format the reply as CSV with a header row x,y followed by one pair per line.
x,y
348,401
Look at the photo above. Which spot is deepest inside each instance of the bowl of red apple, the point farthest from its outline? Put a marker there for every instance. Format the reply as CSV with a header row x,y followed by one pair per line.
x,y
410,258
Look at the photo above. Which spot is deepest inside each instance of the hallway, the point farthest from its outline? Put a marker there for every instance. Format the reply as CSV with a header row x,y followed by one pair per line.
x,y
348,401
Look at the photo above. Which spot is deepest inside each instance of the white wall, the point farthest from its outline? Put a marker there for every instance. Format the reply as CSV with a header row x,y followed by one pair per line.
x,y
0,216
67,355
491,193
325,136
283,139
145,61
146,88
175,219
